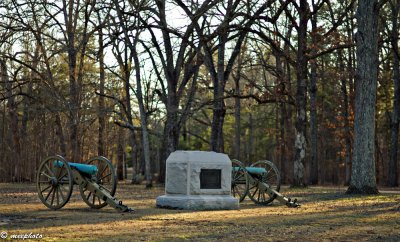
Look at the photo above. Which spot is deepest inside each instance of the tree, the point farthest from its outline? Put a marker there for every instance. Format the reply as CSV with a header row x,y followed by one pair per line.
x,y
120,49
301,74
313,179
345,116
132,45
392,167
231,29
176,61
102,76
363,163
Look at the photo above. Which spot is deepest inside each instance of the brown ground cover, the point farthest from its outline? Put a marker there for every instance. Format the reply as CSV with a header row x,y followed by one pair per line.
x,y
326,214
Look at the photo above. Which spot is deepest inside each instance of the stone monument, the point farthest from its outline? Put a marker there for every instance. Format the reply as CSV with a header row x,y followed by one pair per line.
x,y
198,180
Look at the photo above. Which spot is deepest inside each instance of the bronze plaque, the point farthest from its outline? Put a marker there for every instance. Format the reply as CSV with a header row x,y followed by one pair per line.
x,y
210,179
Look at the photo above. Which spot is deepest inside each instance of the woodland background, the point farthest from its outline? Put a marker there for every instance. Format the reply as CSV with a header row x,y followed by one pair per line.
x,y
134,80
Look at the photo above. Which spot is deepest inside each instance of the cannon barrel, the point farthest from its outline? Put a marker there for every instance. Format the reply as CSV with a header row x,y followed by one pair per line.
x,y
252,170
88,169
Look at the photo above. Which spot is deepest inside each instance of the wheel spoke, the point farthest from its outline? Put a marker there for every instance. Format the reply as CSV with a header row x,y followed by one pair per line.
x,y
236,175
59,171
255,191
271,175
61,193
47,197
63,188
240,176
64,182
87,198
101,173
58,196
271,180
109,174
45,189
48,168
46,175
52,197
59,179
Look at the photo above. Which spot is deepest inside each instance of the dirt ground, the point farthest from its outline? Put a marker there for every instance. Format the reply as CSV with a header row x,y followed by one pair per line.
x,y
326,214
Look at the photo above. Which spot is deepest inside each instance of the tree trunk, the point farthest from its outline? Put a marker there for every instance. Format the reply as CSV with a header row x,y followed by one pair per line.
x,y
363,166
350,100
177,74
101,109
143,117
14,140
300,139
392,166
217,142
287,114
3,139
281,115
313,179
132,143
250,140
60,134
73,84
345,115
171,132
120,154
237,108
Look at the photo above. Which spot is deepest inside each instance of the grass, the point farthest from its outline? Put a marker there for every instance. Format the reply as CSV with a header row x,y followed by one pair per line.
x,y
326,214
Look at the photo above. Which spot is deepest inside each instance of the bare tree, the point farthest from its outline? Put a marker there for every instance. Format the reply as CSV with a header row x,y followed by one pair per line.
x,y
179,71
226,32
123,56
132,45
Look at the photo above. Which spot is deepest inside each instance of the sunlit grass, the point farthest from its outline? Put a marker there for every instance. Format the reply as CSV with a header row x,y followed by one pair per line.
x,y
326,214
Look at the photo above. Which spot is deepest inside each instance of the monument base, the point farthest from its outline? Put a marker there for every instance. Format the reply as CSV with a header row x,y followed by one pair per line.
x,y
198,202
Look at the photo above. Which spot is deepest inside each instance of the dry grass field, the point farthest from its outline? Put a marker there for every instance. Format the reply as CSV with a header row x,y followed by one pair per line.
x,y
326,214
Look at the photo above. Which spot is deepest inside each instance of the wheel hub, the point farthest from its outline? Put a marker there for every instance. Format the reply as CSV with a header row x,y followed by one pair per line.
x,y
54,181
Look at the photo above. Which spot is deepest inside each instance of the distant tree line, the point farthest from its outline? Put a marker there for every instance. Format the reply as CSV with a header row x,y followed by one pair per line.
x,y
310,85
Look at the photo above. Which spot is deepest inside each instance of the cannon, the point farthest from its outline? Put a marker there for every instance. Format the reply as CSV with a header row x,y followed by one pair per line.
x,y
97,182
260,182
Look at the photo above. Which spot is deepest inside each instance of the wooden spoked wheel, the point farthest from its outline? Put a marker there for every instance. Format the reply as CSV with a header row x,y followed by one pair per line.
x,y
54,182
105,178
240,180
271,177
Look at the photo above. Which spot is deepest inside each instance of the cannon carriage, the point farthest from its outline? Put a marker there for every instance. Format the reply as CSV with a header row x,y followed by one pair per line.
x,y
96,179
260,182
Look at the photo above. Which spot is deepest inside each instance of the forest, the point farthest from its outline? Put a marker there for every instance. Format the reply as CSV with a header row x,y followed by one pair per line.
x,y
312,85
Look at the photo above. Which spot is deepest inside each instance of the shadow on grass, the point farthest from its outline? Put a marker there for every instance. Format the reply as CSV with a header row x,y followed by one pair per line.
x,y
274,222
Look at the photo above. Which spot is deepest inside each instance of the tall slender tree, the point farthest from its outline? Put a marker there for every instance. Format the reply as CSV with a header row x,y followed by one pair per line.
x,y
392,167
313,178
